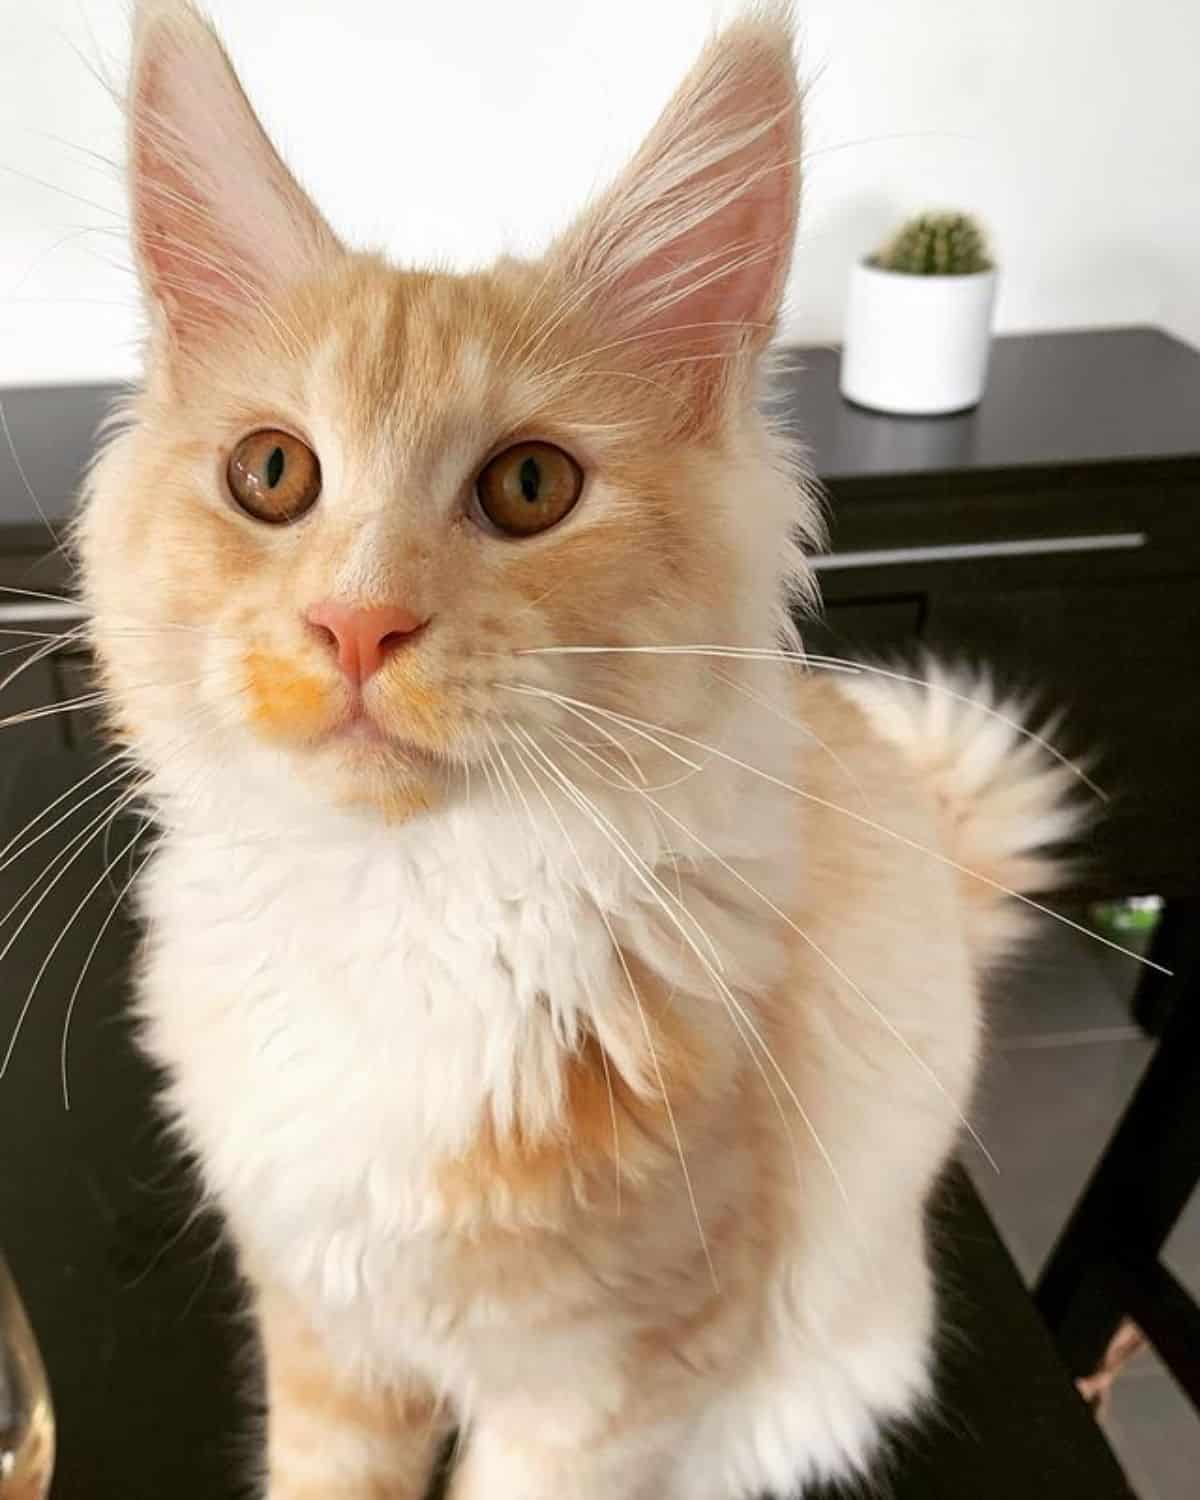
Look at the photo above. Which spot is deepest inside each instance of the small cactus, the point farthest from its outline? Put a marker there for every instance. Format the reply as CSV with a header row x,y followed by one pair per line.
x,y
936,245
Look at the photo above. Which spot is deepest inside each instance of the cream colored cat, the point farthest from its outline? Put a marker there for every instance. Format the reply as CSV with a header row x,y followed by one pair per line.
x,y
569,998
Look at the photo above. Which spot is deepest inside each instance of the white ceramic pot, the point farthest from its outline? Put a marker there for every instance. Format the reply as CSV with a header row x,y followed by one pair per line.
x,y
917,345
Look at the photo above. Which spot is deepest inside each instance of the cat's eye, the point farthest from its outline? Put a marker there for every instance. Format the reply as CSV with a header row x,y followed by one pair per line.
x,y
274,476
528,488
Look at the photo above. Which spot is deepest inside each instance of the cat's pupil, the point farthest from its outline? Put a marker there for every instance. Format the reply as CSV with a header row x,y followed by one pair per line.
x,y
530,476
275,467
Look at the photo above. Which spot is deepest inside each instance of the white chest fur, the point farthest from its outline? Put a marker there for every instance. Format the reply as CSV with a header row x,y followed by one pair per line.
x,y
335,1014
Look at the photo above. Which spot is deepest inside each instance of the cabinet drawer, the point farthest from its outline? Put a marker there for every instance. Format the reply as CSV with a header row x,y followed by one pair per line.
x,y
872,625
1121,662
75,680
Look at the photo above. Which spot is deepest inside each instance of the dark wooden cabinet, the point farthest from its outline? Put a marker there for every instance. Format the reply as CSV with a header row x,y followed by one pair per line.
x,y
1122,677
1054,536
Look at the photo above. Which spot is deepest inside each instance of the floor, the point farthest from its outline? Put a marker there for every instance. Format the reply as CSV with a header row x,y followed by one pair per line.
x,y
1063,1059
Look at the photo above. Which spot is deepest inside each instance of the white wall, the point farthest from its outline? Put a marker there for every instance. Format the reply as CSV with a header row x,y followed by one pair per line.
x,y
452,130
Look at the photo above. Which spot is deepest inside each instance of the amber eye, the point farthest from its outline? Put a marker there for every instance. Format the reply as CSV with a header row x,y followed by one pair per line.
x,y
528,488
273,476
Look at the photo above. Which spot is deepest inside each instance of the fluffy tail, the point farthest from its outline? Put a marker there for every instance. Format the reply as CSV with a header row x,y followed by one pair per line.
x,y
1005,797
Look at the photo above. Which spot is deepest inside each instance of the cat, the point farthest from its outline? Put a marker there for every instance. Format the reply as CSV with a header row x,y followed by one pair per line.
x,y
568,996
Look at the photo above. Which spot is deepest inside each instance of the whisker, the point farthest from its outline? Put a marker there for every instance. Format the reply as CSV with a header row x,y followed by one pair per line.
x,y
640,867
29,489
61,637
851,984
576,705
578,748
612,1103
93,824
37,594
847,812
834,664
91,953
39,653
63,932
591,998
99,791
816,948
96,699
487,766
89,835
647,1036
610,738
498,763
105,765
805,729
724,990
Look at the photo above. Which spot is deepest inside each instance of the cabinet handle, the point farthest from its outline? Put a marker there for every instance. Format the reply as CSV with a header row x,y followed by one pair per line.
x,y
15,614
1033,546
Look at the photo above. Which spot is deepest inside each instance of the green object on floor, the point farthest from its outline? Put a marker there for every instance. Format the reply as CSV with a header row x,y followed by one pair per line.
x,y
1130,922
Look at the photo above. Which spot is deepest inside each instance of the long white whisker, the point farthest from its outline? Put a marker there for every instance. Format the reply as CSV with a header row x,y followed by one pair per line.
x,y
647,1035
580,748
105,765
47,648
105,786
724,989
805,729
834,664
91,953
89,827
499,763
640,867
856,817
88,835
612,1102
577,750
575,705
611,739
850,983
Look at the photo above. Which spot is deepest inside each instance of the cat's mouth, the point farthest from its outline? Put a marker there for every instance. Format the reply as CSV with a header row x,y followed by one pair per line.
x,y
292,705
360,732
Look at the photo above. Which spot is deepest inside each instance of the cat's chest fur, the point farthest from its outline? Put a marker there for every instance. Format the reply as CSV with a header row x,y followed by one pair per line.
x,y
335,1019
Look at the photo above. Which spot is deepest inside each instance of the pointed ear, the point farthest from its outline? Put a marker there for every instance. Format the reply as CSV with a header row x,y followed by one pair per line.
x,y
219,223
686,255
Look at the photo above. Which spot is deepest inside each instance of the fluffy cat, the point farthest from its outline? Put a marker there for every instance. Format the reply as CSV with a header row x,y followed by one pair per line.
x,y
568,998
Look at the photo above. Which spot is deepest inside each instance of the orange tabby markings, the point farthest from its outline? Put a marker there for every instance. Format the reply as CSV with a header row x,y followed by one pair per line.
x,y
329,1436
424,707
286,703
604,1122
394,801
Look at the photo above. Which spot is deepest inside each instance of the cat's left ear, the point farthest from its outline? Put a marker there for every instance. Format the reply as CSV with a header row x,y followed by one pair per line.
x,y
684,259
220,225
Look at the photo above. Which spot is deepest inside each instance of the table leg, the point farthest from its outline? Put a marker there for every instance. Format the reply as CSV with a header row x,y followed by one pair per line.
x,y
1106,1263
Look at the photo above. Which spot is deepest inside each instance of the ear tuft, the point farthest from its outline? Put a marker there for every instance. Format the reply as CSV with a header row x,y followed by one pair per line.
x,y
220,225
687,254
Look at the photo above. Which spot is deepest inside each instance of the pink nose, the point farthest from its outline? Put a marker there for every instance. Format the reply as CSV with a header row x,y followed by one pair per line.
x,y
363,639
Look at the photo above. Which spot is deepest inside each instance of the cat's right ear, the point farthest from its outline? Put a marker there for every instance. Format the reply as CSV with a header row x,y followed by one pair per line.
x,y
220,226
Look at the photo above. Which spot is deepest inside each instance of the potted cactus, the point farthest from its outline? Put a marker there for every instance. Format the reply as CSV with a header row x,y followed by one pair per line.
x,y
918,324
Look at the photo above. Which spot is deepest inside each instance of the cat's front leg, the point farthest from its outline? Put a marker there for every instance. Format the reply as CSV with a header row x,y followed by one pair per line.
x,y
330,1438
502,1463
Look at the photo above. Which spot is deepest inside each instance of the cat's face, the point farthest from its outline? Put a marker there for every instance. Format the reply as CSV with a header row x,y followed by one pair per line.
x,y
359,507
